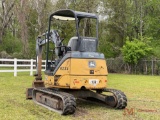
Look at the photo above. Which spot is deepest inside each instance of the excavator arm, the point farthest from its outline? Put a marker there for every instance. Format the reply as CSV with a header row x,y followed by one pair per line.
x,y
40,43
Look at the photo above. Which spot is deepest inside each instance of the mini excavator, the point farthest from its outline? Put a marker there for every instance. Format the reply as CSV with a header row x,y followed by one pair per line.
x,y
77,70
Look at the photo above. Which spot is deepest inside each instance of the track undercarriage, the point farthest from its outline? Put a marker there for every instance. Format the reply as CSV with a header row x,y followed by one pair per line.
x,y
63,101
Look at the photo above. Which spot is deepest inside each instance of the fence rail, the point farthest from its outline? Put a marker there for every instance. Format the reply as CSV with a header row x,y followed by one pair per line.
x,y
18,64
147,67
115,65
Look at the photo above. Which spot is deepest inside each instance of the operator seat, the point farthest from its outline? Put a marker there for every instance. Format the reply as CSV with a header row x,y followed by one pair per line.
x,y
73,43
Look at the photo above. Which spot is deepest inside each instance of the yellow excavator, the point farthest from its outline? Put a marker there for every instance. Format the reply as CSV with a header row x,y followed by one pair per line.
x,y
72,71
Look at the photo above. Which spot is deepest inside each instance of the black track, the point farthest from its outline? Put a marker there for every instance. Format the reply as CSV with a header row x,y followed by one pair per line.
x,y
121,99
69,101
118,100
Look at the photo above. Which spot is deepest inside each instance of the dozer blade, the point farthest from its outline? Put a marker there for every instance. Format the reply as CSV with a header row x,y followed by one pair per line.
x,y
61,102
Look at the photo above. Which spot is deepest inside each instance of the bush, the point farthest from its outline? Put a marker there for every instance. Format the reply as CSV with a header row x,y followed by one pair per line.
x,y
4,54
135,50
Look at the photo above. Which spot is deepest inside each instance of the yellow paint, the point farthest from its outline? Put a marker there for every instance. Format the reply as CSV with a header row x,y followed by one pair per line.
x,y
81,67
64,80
75,73
66,64
83,81
49,80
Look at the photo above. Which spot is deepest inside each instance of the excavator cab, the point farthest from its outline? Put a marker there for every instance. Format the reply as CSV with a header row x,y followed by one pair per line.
x,y
82,42
75,70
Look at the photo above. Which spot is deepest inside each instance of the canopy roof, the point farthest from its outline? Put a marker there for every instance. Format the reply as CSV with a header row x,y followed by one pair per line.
x,y
71,15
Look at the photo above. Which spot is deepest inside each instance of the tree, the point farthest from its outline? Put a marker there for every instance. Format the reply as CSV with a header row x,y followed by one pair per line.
x,y
135,50
23,20
5,16
22,13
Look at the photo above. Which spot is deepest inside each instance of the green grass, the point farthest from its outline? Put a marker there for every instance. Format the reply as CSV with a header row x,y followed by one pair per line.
x,y
143,93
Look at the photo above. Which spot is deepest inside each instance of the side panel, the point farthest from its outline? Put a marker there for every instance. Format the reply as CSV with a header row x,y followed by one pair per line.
x,y
61,78
84,67
65,68
49,80
88,82
88,73
77,73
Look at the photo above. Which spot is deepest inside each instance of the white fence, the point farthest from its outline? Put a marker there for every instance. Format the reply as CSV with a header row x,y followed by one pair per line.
x,y
18,64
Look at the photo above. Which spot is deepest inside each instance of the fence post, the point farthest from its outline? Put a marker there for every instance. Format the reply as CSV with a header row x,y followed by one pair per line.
x,y
15,66
45,65
31,68
152,67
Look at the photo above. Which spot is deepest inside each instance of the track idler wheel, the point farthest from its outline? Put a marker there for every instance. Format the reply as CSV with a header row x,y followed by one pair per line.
x,y
70,106
118,100
121,100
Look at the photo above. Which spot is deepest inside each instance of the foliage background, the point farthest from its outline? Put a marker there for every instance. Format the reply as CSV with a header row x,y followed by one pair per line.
x,y
23,20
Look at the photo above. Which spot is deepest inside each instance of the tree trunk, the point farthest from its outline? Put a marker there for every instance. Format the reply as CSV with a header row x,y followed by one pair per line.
x,y
6,16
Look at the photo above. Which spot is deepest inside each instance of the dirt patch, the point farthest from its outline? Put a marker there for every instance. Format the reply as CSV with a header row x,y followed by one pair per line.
x,y
80,112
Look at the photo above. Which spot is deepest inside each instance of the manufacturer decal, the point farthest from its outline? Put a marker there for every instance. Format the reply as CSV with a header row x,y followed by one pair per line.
x,y
92,64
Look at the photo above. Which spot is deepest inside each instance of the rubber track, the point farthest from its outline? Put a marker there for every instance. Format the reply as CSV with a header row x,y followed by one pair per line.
x,y
120,96
69,101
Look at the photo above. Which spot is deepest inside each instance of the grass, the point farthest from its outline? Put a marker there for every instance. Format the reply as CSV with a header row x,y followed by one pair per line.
x,y
142,92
